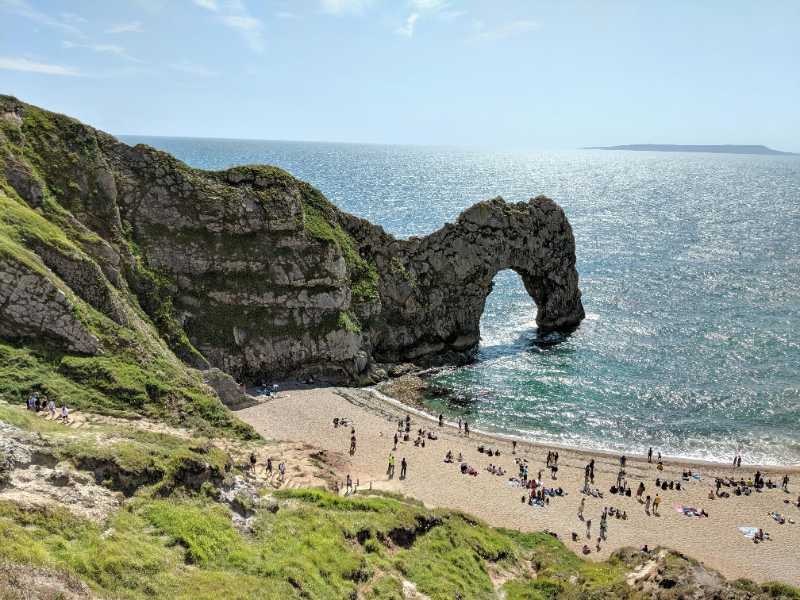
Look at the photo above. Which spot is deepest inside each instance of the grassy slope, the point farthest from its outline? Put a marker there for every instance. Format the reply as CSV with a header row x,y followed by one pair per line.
x,y
172,542
136,372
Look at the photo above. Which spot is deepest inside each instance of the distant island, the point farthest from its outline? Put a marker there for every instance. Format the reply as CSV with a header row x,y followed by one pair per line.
x,y
720,149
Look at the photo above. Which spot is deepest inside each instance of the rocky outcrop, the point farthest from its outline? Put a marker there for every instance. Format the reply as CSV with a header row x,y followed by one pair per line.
x,y
254,272
433,289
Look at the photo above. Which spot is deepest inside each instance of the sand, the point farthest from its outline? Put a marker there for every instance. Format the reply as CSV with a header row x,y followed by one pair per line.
x,y
306,415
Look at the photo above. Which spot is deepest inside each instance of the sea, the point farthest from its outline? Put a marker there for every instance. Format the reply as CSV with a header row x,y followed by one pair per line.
x,y
689,266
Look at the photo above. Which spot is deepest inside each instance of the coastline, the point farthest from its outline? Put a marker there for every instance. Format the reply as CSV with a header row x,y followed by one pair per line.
x,y
421,411
305,414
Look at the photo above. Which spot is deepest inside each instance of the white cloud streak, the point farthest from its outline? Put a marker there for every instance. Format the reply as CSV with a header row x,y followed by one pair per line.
x,y
132,27
339,7
407,28
505,31
234,15
104,49
29,66
207,4
23,8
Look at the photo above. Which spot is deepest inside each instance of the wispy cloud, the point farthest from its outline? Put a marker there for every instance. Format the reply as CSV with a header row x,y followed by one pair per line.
x,y
114,49
132,27
424,9
191,68
407,28
207,4
285,14
250,28
338,7
66,22
234,15
423,5
504,31
30,66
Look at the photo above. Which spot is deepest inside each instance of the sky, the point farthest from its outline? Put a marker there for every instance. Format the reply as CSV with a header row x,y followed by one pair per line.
x,y
513,74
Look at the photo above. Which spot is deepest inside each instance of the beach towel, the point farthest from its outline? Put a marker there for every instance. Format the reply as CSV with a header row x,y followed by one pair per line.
x,y
749,532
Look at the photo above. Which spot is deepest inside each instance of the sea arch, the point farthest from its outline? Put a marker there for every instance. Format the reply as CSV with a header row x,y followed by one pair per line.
x,y
434,289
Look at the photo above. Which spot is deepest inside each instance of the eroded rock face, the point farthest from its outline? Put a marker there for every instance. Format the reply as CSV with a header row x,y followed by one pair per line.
x,y
433,289
254,272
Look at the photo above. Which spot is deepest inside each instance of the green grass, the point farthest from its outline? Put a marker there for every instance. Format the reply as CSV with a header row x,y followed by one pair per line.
x,y
320,224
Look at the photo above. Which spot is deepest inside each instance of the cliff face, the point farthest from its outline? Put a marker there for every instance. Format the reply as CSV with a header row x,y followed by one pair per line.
x,y
249,269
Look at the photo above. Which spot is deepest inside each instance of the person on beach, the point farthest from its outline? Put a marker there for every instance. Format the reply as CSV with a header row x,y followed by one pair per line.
x,y
64,413
349,483
640,491
589,529
580,508
390,468
253,462
647,505
352,444
441,420
395,442
403,468
591,471
513,446
281,471
459,424
650,455
660,466
785,484
739,461
269,468
622,460
51,408
656,502
466,428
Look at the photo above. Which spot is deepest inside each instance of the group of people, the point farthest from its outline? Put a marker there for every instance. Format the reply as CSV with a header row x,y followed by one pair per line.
x,y
403,467
36,403
268,468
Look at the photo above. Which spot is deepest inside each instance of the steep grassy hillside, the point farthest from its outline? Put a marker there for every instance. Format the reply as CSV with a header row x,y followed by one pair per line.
x,y
190,523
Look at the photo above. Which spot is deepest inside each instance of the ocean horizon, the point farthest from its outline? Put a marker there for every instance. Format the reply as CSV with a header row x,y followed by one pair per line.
x,y
688,265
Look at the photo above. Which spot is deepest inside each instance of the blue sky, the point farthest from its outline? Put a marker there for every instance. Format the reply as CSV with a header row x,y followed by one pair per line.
x,y
501,73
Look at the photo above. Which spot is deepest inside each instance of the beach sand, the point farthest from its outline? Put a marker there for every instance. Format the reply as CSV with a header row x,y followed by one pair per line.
x,y
306,415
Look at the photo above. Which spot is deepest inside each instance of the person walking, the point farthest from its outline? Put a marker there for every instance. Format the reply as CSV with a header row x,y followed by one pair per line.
x,y
403,468
253,463
647,505
656,502
390,468
281,471
395,442
650,455
269,467
441,420
352,444
466,428
349,483
589,529
51,408
580,508
459,424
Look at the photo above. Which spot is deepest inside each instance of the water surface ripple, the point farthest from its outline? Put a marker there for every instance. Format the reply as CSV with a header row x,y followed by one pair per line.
x,y
689,268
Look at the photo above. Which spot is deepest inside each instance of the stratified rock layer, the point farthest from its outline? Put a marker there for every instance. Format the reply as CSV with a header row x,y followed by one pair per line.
x,y
249,269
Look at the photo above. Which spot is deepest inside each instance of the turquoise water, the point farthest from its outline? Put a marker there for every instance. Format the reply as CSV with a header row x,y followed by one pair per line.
x,y
689,266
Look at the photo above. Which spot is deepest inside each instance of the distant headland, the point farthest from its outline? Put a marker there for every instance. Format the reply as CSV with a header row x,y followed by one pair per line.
x,y
720,149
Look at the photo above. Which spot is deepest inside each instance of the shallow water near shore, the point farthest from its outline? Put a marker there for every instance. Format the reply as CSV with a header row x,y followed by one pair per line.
x,y
689,267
